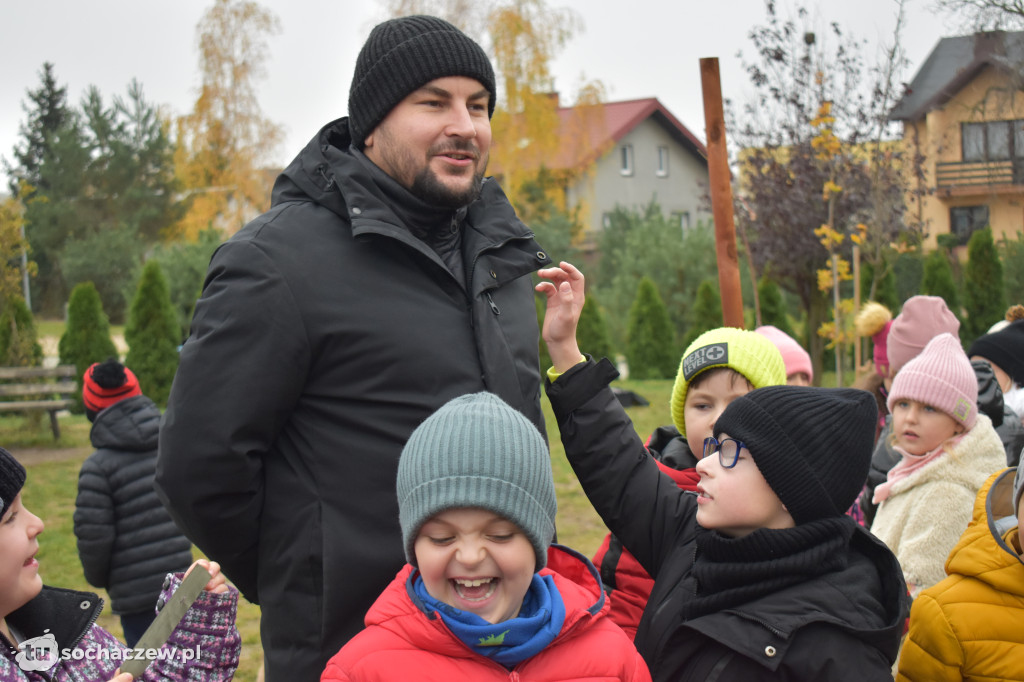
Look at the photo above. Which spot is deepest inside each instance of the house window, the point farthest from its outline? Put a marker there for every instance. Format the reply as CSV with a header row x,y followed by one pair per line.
x,y
681,218
964,220
626,159
993,140
662,171
606,220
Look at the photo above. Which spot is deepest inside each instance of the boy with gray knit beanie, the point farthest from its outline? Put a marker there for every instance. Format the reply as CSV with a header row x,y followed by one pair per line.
x,y
761,575
484,592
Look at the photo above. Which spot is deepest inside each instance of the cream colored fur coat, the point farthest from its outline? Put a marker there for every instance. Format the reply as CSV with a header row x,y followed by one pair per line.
x,y
925,513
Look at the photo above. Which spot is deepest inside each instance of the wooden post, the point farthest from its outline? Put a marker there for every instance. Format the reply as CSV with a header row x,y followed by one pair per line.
x,y
837,319
856,308
721,195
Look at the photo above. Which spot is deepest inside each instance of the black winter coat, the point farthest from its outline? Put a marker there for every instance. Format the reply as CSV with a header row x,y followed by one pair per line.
x,y
326,332
127,541
844,625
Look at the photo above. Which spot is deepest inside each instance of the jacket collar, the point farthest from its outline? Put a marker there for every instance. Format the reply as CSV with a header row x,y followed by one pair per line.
x,y
329,172
846,600
329,161
66,614
984,551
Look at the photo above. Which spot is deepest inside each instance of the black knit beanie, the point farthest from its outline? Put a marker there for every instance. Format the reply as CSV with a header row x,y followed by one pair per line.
x,y
1005,348
812,445
12,478
400,56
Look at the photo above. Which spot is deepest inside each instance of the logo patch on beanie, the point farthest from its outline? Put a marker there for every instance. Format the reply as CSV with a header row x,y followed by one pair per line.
x,y
962,409
704,357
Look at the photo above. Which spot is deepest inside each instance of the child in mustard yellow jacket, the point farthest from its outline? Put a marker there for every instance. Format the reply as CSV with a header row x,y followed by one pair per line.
x,y
969,626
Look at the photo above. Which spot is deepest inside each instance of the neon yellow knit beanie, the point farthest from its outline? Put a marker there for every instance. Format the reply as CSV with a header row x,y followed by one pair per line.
x,y
749,353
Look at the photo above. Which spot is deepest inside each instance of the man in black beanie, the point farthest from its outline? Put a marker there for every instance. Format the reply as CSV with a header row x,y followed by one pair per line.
x,y
388,277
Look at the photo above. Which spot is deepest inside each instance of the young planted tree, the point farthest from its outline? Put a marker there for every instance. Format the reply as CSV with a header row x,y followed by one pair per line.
x,y
226,140
885,286
706,313
184,266
556,228
15,269
984,297
938,281
19,344
1011,254
86,337
785,163
642,242
773,308
651,350
592,330
153,335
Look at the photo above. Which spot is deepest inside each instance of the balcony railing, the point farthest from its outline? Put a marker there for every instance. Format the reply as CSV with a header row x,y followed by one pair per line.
x,y
967,176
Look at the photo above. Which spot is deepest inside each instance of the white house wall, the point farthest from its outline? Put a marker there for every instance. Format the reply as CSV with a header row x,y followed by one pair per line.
x,y
680,192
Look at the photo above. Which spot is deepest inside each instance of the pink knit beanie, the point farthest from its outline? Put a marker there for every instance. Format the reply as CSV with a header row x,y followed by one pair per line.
x,y
794,356
921,320
940,376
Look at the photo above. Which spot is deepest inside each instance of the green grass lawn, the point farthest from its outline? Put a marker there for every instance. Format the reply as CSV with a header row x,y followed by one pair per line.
x,y
51,488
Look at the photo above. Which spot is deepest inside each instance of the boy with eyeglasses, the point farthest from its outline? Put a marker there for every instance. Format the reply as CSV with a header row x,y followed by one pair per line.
x,y
761,576
718,366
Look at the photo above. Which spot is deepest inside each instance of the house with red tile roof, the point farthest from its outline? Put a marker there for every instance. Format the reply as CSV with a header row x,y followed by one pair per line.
x,y
626,153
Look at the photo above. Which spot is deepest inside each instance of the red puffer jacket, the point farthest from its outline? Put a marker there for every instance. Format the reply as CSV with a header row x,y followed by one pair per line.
x,y
402,643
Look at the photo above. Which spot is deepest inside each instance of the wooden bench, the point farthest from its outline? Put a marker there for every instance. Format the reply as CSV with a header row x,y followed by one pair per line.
x,y
38,389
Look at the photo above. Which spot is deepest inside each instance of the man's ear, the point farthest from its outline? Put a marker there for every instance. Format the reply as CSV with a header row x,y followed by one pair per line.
x,y
368,140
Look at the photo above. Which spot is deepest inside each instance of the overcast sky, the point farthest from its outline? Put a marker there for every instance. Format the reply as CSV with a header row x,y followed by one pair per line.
x,y
638,48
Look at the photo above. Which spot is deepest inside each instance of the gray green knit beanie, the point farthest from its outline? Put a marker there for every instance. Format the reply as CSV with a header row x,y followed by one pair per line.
x,y
402,55
477,451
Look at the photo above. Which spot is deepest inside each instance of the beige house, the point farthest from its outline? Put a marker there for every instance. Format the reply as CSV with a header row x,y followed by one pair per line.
x,y
964,113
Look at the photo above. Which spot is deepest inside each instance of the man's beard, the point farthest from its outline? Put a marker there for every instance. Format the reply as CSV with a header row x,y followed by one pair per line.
x,y
427,187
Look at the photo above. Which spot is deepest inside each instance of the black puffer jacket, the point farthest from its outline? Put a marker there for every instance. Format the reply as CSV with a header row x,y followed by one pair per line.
x,y
843,625
126,539
326,332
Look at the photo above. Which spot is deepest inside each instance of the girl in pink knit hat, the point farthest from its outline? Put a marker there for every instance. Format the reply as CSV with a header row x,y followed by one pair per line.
x,y
947,448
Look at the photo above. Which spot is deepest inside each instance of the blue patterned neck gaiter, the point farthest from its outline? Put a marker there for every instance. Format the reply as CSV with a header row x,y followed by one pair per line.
x,y
539,621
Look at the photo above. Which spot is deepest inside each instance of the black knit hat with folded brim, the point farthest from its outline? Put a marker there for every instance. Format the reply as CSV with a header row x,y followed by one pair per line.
x,y
1005,348
812,445
400,56
12,479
